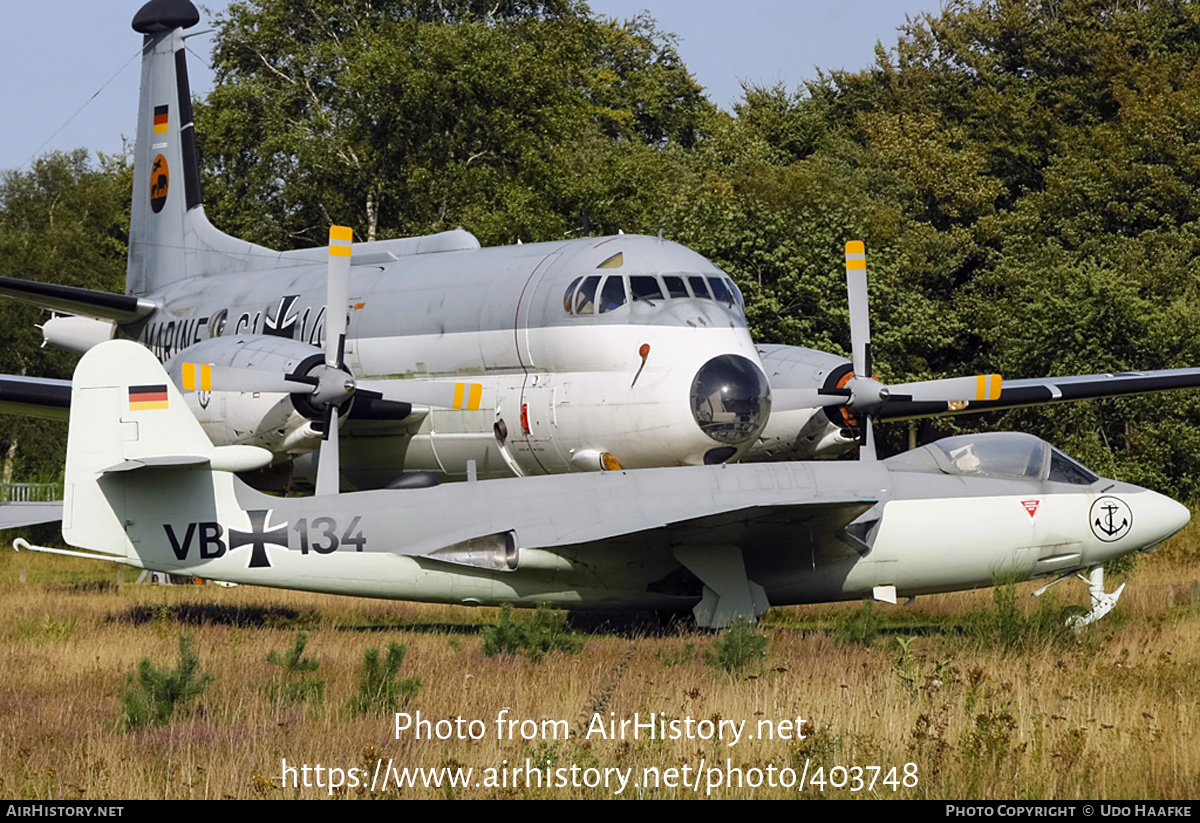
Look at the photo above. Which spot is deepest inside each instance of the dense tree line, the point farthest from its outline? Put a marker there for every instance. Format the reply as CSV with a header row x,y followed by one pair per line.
x,y
65,220
1025,174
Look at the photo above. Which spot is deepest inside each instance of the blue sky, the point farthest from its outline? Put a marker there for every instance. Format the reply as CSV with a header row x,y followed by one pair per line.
x,y
57,56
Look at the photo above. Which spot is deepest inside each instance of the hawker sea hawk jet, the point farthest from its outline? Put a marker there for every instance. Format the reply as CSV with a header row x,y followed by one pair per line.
x,y
580,355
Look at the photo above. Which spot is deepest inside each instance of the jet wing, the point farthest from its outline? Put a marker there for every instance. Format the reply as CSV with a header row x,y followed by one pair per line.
x,y
820,525
35,396
102,305
1015,394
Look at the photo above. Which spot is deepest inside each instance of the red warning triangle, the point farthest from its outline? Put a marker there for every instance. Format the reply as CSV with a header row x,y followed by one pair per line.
x,y
1031,507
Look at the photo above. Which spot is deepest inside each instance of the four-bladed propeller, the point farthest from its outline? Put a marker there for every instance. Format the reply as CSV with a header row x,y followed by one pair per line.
x,y
859,392
337,294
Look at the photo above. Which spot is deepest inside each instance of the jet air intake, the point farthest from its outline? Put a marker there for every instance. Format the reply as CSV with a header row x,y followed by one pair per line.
x,y
731,399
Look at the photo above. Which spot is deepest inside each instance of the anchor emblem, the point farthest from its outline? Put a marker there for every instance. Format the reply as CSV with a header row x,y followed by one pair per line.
x,y
1111,518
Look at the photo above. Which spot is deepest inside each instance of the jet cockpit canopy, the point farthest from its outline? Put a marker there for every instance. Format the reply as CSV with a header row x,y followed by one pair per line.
x,y
1011,455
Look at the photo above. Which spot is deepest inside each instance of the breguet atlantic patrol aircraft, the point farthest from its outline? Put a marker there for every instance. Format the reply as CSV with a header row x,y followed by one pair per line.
x,y
581,355
146,487
587,354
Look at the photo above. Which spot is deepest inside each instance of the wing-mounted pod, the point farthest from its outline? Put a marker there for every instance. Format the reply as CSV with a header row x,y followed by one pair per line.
x,y
798,429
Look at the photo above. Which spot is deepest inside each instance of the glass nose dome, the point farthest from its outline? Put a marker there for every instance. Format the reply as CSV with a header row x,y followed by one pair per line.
x,y
730,399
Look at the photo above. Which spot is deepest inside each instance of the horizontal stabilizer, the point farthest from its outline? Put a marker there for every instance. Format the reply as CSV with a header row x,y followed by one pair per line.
x,y
17,515
223,458
170,461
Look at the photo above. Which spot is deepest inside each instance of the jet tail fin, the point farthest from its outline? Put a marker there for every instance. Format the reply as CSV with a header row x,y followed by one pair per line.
x,y
135,453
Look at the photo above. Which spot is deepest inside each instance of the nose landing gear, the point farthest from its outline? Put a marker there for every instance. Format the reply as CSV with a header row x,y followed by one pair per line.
x,y
1102,602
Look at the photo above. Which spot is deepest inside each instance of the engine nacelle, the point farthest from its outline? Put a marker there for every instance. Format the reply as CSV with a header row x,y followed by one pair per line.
x,y
269,420
798,433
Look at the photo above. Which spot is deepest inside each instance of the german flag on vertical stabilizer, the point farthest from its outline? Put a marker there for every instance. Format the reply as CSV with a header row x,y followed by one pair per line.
x,y
143,398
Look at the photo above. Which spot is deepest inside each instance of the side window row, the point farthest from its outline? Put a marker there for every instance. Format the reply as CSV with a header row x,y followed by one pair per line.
x,y
588,295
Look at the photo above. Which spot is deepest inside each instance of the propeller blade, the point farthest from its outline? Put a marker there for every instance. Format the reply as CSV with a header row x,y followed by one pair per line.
x,y
328,461
466,396
867,443
860,319
791,399
207,377
951,390
856,393
334,385
337,294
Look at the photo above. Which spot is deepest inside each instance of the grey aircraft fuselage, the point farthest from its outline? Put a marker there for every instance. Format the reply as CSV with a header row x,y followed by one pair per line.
x,y
565,374
614,353
617,540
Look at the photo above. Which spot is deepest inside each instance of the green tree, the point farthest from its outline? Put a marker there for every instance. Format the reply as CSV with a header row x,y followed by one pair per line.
x,y
64,220
379,690
1025,178
153,697
292,685
406,117
545,632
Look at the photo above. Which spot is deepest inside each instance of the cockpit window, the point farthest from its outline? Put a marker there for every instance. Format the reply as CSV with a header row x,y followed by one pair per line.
x,y
1065,470
675,286
585,298
612,296
737,294
569,296
719,290
998,455
699,289
597,294
643,287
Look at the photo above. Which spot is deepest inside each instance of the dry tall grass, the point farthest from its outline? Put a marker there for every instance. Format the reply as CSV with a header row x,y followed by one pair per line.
x,y
1110,715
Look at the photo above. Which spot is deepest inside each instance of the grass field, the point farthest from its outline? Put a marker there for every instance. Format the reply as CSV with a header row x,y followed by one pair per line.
x,y
955,696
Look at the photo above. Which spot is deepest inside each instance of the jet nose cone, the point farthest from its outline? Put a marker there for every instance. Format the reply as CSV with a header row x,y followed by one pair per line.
x,y
1155,518
1127,518
1171,515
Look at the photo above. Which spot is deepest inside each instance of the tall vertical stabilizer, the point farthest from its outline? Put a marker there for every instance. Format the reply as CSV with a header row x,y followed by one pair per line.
x,y
170,239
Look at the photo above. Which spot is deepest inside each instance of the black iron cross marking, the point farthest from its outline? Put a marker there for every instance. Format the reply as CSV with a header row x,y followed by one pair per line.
x,y
258,538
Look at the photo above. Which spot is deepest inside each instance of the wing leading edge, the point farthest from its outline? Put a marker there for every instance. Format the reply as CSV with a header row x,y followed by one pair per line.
x,y
35,396
102,305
